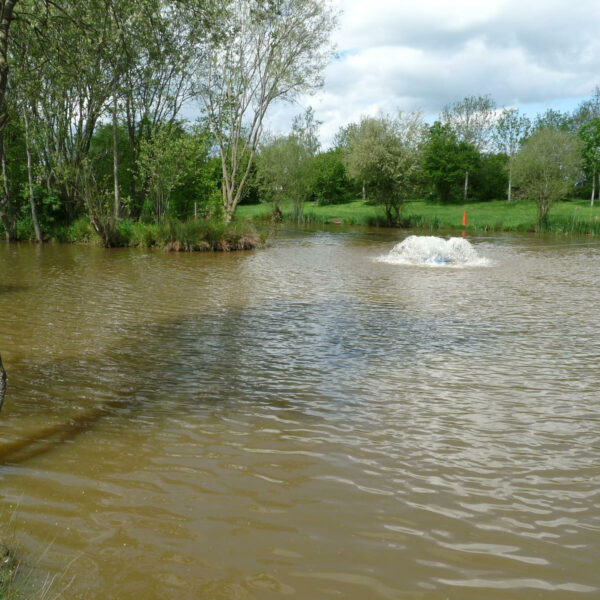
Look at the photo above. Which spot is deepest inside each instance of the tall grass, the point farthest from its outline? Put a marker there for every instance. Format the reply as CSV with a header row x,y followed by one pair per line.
x,y
171,234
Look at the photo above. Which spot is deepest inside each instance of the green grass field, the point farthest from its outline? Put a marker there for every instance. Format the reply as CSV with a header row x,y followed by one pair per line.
x,y
573,216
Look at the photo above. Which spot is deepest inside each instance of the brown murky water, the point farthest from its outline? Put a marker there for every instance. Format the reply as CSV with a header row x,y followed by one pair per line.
x,y
304,421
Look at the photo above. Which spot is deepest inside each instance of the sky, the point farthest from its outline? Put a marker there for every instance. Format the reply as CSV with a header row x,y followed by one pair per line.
x,y
424,54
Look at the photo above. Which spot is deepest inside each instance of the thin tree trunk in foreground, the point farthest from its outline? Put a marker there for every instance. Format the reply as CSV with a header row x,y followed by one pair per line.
x,y
466,185
7,210
116,162
34,215
593,188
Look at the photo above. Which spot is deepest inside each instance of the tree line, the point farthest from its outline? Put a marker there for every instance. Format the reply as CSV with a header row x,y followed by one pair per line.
x,y
91,129
474,151
91,98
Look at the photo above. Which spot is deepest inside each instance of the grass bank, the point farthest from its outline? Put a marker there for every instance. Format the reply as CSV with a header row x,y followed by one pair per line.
x,y
568,217
172,235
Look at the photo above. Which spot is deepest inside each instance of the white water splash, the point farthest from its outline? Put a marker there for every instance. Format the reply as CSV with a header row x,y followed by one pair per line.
x,y
434,252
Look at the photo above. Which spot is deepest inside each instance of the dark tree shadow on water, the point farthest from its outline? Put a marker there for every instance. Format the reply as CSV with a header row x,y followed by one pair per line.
x,y
316,359
47,439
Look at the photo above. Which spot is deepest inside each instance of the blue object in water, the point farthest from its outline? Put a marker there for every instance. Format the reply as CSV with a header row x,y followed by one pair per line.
x,y
442,260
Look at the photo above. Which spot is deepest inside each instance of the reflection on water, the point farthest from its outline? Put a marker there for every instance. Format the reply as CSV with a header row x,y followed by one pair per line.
x,y
304,421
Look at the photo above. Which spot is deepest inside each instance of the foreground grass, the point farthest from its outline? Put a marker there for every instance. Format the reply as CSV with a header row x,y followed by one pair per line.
x,y
573,216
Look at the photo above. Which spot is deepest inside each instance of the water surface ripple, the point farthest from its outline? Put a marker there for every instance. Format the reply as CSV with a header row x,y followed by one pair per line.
x,y
304,421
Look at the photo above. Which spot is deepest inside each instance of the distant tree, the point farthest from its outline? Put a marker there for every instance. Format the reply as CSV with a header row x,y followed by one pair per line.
x,y
260,52
510,131
472,120
385,154
286,164
587,110
554,119
330,183
546,167
589,134
490,177
446,160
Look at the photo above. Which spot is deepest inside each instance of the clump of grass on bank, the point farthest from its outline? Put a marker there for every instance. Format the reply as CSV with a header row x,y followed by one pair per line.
x,y
568,217
172,235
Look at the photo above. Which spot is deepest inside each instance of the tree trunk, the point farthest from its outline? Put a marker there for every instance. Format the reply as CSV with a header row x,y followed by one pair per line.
x,y
34,215
593,188
466,186
7,210
117,212
509,184
364,192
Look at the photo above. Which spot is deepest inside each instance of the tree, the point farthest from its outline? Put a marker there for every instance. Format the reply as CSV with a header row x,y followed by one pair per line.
x,y
385,154
553,119
330,183
286,164
446,160
511,129
472,120
7,214
260,52
162,44
6,18
546,167
590,136
164,160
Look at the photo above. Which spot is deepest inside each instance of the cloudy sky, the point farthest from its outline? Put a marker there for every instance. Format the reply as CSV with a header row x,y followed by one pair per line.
x,y
424,54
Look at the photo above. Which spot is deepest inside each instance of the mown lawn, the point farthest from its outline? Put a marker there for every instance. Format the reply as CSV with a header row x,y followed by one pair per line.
x,y
573,216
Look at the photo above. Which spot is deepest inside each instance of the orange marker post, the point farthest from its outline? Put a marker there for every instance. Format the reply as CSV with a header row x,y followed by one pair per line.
x,y
464,221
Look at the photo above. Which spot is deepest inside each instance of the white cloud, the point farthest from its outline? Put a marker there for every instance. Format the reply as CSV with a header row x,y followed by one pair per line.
x,y
410,54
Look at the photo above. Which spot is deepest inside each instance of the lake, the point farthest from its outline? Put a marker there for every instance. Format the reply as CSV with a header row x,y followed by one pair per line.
x,y
304,421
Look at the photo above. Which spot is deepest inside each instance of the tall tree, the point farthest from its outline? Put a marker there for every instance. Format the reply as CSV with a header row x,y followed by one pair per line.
x,y
511,129
446,159
590,136
7,214
472,119
163,44
546,167
385,154
553,119
285,165
260,52
6,18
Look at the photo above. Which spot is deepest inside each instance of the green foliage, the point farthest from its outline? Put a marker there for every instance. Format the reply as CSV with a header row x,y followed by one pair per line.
x,y
446,160
553,119
490,179
546,168
163,161
101,157
471,119
285,165
262,52
589,133
330,182
384,154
